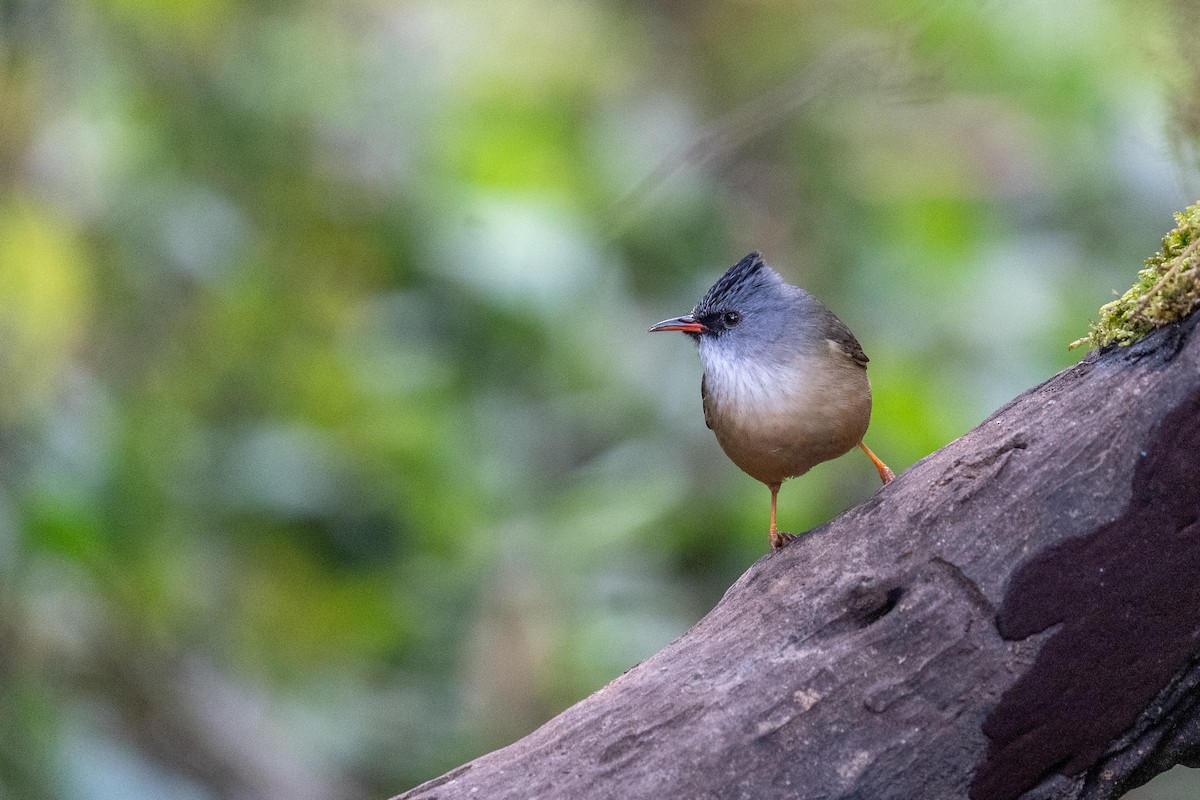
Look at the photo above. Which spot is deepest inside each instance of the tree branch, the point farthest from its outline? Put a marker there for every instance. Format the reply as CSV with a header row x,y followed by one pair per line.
x,y
1014,616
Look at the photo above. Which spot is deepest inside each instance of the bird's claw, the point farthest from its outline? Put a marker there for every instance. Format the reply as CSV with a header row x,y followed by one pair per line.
x,y
780,540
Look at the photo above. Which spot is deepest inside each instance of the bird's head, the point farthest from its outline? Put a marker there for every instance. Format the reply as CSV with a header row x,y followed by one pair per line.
x,y
750,306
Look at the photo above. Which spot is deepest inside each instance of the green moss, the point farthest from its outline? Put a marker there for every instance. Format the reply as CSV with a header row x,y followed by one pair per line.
x,y
1167,290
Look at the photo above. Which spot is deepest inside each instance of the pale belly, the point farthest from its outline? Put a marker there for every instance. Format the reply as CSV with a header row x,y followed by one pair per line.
x,y
774,431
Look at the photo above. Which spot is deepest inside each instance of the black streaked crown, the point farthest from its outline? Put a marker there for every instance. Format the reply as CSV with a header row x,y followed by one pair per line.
x,y
741,280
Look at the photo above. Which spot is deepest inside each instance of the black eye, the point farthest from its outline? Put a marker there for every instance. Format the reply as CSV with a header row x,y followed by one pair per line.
x,y
731,318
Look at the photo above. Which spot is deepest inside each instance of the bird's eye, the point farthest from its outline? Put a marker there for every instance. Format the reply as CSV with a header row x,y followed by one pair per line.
x,y
731,318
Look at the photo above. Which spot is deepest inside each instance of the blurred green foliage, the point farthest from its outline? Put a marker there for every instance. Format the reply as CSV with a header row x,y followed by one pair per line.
x,y
333,451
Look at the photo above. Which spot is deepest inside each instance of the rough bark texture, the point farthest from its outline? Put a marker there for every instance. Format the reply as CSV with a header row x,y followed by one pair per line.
x,y
1016,615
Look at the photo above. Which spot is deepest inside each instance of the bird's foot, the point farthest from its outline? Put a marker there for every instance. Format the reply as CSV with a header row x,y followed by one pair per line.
x,y
780,540
885,472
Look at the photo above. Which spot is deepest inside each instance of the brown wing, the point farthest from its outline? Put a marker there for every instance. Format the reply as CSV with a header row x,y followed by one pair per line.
x,y
704,401
841,336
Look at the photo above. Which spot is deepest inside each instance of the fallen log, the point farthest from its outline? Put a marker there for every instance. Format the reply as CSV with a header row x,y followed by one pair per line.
x,y
1015,616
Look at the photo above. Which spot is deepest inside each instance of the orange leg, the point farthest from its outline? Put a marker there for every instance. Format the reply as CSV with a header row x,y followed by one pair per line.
x,y
778,540
885,474
774,487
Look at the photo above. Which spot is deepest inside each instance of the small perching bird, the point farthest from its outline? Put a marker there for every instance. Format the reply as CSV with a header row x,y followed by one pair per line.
x,y
785,381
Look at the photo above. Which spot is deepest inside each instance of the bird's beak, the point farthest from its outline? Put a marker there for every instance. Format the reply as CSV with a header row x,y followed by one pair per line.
x,y
687,324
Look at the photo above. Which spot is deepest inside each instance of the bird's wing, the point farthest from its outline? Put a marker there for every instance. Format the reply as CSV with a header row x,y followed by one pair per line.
x,y
705,401
841,337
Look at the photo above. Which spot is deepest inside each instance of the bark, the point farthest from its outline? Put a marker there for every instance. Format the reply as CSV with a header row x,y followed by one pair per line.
x,y
1016,615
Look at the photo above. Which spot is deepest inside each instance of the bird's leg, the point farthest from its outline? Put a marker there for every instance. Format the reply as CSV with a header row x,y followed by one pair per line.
x,y
885,474
778,540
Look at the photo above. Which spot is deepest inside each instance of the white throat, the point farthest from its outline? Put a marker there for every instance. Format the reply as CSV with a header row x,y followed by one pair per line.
x,y
752,385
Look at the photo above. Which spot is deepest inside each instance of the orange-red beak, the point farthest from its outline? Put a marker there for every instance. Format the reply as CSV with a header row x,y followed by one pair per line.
x,y
687,324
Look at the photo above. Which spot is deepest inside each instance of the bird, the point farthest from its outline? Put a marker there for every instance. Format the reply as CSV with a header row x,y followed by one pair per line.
x,y
785,382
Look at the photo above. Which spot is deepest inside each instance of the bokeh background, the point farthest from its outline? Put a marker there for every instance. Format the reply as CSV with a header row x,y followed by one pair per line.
x,y
333,449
